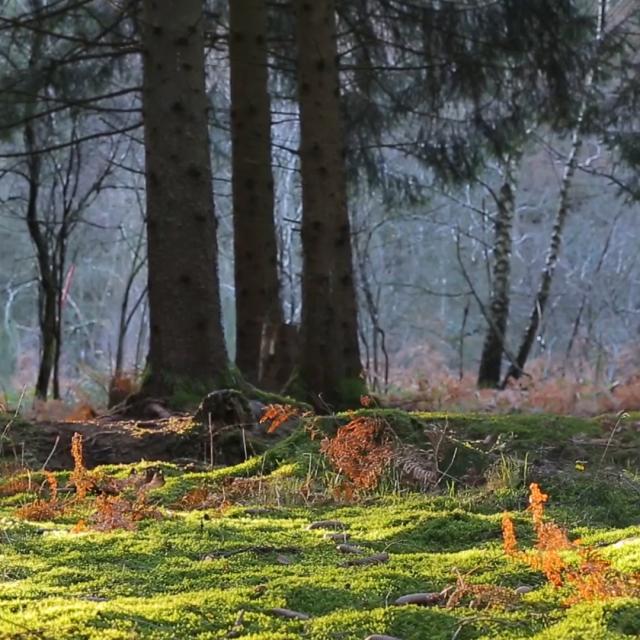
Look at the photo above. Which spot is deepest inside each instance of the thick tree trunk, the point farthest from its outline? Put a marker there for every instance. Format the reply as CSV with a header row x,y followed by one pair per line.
x,y
498,312
330,367
187,346
256,253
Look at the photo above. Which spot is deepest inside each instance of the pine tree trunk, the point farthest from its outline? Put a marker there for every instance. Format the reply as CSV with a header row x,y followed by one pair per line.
x,y
330,366
498,316
187,348
256,253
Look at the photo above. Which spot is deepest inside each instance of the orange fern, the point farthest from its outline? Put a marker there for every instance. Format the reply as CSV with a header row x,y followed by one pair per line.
x,y
80,477
361,450
594,579
277,415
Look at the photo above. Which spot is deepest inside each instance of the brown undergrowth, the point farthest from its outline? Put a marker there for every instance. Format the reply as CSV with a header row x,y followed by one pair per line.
x,y
361,450
117,505
425,382
592,579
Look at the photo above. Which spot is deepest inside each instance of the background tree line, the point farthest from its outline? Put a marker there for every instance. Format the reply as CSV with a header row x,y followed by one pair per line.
x,y
311,189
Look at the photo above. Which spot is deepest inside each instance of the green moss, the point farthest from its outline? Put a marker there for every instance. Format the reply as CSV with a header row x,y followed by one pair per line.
x,y
168,579
350,392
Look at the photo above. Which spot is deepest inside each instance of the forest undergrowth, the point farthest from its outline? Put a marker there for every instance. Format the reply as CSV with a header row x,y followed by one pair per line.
x,y
348,528
570,387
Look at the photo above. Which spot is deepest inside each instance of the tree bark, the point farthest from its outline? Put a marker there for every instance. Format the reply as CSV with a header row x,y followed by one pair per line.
x,y
330,367
47,298
257,285
494,342
187,348
553,255
562,213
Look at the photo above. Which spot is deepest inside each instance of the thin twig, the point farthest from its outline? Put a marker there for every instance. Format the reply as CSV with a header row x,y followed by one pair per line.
x,y
55,444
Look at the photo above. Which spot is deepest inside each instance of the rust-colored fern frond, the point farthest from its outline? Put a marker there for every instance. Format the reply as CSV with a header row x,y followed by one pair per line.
x,y
277,414
594,579
537,500
509,539
52,481
115,512
80,478
361,450
43,509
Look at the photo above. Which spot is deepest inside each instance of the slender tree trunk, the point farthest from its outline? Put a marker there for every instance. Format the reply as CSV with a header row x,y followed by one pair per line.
x,y
330,366
187,346
60,259
256,254
494,342
47,299
562,213
551,262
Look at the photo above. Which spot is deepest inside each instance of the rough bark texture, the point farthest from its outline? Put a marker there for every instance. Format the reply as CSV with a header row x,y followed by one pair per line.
x,y
498,312
186,342
330,365
256,254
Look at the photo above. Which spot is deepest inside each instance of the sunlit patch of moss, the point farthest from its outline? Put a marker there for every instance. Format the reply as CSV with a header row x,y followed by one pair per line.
x,y
193,573
614,620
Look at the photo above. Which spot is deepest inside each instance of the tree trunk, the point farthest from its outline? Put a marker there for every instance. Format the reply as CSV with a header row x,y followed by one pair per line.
x,y
256,255
498,317
330,368
47,299
187,349
553,254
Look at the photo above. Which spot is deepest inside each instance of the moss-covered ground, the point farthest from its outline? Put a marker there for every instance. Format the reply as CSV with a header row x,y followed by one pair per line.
x,y
220,571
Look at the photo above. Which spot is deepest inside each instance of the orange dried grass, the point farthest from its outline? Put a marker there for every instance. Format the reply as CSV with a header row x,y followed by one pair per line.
x,y
42,509
115,512
14,486
430,385
196,498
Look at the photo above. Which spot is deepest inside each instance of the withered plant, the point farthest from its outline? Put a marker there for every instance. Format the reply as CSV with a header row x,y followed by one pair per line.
x,y
593,579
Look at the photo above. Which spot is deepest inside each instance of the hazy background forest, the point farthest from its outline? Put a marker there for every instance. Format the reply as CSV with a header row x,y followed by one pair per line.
x,y
423,236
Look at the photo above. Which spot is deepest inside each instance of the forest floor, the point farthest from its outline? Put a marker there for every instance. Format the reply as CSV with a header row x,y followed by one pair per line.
x,y
158,550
